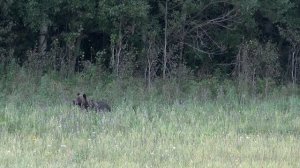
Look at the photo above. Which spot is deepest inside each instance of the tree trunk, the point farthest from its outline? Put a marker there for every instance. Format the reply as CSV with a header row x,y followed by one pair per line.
x,y
149,62
149,74
293,68
117,51
165,41
43,38
182,39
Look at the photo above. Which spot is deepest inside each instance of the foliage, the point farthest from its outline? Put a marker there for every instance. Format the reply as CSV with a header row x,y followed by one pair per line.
x,y
200,35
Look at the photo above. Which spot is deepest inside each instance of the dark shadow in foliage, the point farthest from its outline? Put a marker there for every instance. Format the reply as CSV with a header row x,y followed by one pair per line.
x,y
84,103
90,44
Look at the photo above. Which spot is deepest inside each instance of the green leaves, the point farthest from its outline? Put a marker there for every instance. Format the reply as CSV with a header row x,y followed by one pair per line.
x,y
197,33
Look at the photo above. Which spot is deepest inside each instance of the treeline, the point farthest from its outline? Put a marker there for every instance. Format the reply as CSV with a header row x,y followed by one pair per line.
x,y
244,40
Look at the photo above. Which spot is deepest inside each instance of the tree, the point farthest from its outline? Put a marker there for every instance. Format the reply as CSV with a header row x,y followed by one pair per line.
x,y
191,26
125,19
6,36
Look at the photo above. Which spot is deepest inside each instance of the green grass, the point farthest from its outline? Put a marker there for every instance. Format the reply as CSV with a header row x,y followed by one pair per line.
x,y
185,124
220,133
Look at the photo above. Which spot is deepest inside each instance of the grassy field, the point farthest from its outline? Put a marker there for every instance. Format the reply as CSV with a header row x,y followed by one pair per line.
x,y
190,134
146,130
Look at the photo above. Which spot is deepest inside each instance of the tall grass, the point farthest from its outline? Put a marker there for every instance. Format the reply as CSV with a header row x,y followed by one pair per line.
x,y
202,124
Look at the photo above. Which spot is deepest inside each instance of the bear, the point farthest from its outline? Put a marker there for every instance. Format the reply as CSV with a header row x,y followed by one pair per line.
x,y
81,101
84,103
99,106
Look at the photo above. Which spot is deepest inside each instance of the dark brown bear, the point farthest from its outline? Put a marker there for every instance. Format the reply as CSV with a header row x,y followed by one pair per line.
x,y
99,106
81,101
84,103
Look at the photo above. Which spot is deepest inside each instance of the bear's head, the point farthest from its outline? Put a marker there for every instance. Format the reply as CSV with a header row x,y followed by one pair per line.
x,y
81,101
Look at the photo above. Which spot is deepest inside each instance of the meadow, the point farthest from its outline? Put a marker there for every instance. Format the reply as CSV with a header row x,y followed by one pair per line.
x,y
203,125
